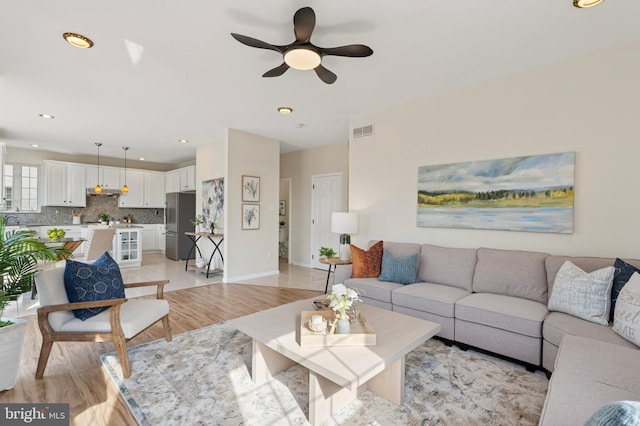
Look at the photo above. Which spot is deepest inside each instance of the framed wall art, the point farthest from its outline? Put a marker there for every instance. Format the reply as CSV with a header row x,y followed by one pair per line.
x,y
213,202
250,189
530,194
250,216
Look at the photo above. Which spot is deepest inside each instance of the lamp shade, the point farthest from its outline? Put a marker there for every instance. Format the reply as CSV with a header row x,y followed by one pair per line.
x,y
344,223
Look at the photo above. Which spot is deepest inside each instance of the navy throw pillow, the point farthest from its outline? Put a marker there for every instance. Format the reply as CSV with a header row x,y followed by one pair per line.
x,y
401,270
87,282
622,274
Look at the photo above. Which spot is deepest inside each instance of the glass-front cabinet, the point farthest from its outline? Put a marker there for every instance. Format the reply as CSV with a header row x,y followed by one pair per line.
x,y
128,247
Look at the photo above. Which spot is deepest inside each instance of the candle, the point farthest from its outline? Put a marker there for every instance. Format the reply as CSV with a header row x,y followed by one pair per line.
x,y
316,319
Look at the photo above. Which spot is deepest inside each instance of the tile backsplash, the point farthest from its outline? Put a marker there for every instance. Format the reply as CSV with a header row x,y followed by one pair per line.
x,y
95,206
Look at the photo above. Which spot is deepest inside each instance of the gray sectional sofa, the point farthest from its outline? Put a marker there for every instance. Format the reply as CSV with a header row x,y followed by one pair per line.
x,y
494,300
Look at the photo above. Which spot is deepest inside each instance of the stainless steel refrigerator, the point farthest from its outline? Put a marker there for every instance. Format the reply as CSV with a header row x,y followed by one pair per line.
x,y
181,209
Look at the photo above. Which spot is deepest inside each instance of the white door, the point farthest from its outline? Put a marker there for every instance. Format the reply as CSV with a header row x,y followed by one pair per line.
x,y
326,198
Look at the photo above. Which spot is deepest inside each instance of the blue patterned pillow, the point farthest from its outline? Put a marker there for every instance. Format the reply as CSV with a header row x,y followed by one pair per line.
x,y
87,282
619,413
620,277
402,270
583,295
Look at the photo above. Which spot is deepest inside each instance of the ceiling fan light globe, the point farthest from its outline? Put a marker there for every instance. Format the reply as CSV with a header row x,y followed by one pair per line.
x,y
302,58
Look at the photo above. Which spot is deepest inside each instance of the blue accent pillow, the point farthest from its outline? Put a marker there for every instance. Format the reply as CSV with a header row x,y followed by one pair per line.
x,y
402,270
87,282
619,413
622,274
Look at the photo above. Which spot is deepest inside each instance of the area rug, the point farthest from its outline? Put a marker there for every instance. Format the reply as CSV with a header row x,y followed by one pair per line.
x,y
203,377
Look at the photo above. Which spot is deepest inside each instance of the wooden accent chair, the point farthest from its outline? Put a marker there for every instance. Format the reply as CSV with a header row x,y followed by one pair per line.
x,y
121,322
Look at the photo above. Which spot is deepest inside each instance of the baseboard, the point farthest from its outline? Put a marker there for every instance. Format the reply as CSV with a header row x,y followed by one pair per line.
x,y
249,277
304,265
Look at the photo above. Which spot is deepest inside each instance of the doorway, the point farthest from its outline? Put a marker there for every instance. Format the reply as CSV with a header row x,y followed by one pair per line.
x,y
326,198
284,219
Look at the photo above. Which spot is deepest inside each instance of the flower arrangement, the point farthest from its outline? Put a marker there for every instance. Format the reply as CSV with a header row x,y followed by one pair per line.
x,y
342,299
198,220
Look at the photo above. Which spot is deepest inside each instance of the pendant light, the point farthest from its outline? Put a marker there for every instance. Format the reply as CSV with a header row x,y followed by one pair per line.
x,y
125,188
98,187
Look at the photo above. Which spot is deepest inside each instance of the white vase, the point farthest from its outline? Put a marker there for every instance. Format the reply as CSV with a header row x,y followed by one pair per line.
x,y
11,341
343,326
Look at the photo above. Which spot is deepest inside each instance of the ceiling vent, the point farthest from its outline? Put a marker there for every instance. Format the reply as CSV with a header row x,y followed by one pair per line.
x,y
363,132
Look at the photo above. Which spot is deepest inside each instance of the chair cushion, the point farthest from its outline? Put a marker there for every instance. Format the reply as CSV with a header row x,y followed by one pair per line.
x,y
426,297
584,295
402,270
86,282
135,316
366,263
51,291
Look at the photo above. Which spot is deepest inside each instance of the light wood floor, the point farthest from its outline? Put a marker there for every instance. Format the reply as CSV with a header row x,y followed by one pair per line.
x,y
75,375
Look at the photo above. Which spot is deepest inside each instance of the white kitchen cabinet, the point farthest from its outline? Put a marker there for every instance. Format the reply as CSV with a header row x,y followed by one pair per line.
x,y
109,177
128,247
161,232
154,195
188,178
135,196
172,181
149,238
64,184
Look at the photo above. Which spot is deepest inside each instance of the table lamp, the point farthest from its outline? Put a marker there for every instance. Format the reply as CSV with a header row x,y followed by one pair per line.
x,y
344,224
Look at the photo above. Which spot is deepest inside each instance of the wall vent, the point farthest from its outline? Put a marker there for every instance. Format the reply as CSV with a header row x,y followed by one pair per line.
x,y
363,132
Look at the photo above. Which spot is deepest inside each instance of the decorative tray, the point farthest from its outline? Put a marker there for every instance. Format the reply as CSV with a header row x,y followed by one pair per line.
x,y
362,334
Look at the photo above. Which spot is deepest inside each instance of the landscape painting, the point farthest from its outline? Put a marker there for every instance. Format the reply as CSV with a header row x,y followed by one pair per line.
x,y
531,194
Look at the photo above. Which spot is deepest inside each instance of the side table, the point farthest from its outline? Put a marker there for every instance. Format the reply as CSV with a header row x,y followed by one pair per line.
x,y
332,261
194,237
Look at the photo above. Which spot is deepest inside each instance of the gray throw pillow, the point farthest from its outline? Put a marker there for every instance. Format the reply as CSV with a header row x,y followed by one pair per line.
x,y
583,295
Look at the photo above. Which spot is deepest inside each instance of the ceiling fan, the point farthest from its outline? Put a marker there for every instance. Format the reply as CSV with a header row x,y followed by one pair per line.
x,y
302,54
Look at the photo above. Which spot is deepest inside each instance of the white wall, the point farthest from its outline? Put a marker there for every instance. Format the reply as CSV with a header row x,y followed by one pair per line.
x,y
300,166
590,105
251,253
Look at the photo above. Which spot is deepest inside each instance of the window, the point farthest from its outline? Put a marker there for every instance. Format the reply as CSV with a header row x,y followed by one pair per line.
x,y
20,192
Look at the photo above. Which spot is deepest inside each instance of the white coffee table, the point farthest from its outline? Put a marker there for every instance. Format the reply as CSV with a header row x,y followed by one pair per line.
x,y
337,374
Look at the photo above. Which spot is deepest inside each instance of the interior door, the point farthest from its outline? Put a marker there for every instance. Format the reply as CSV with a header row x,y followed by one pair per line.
x,y
326,198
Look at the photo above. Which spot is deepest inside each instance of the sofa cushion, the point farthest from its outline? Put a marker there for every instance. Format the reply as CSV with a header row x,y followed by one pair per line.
x,y
587,264
584,295
366,263
508,313
372,288
86,282
626,321
511,273
433,298
622,274
448,266
401,270
619,413
557,324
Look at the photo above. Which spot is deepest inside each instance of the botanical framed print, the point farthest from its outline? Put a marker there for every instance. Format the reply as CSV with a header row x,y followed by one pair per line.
x,y
250,216
283,207
250,189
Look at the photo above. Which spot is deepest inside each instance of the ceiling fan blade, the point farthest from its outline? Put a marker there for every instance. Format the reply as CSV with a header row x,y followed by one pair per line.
x,y
352,50
277,71
304,21
254,42
325,75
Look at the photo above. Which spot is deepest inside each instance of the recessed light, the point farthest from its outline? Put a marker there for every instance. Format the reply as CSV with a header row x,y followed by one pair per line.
x,y
78,40
183,141
43,115
299,126
141,158
35,145
285,110
586,3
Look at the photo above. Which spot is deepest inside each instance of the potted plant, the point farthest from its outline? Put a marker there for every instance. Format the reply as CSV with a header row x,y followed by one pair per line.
x,y
327,252
197,221
104,218
20,252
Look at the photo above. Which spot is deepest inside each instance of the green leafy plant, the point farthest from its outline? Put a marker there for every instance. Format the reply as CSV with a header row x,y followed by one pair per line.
x,y
103,217
20,252
198,220
327,252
